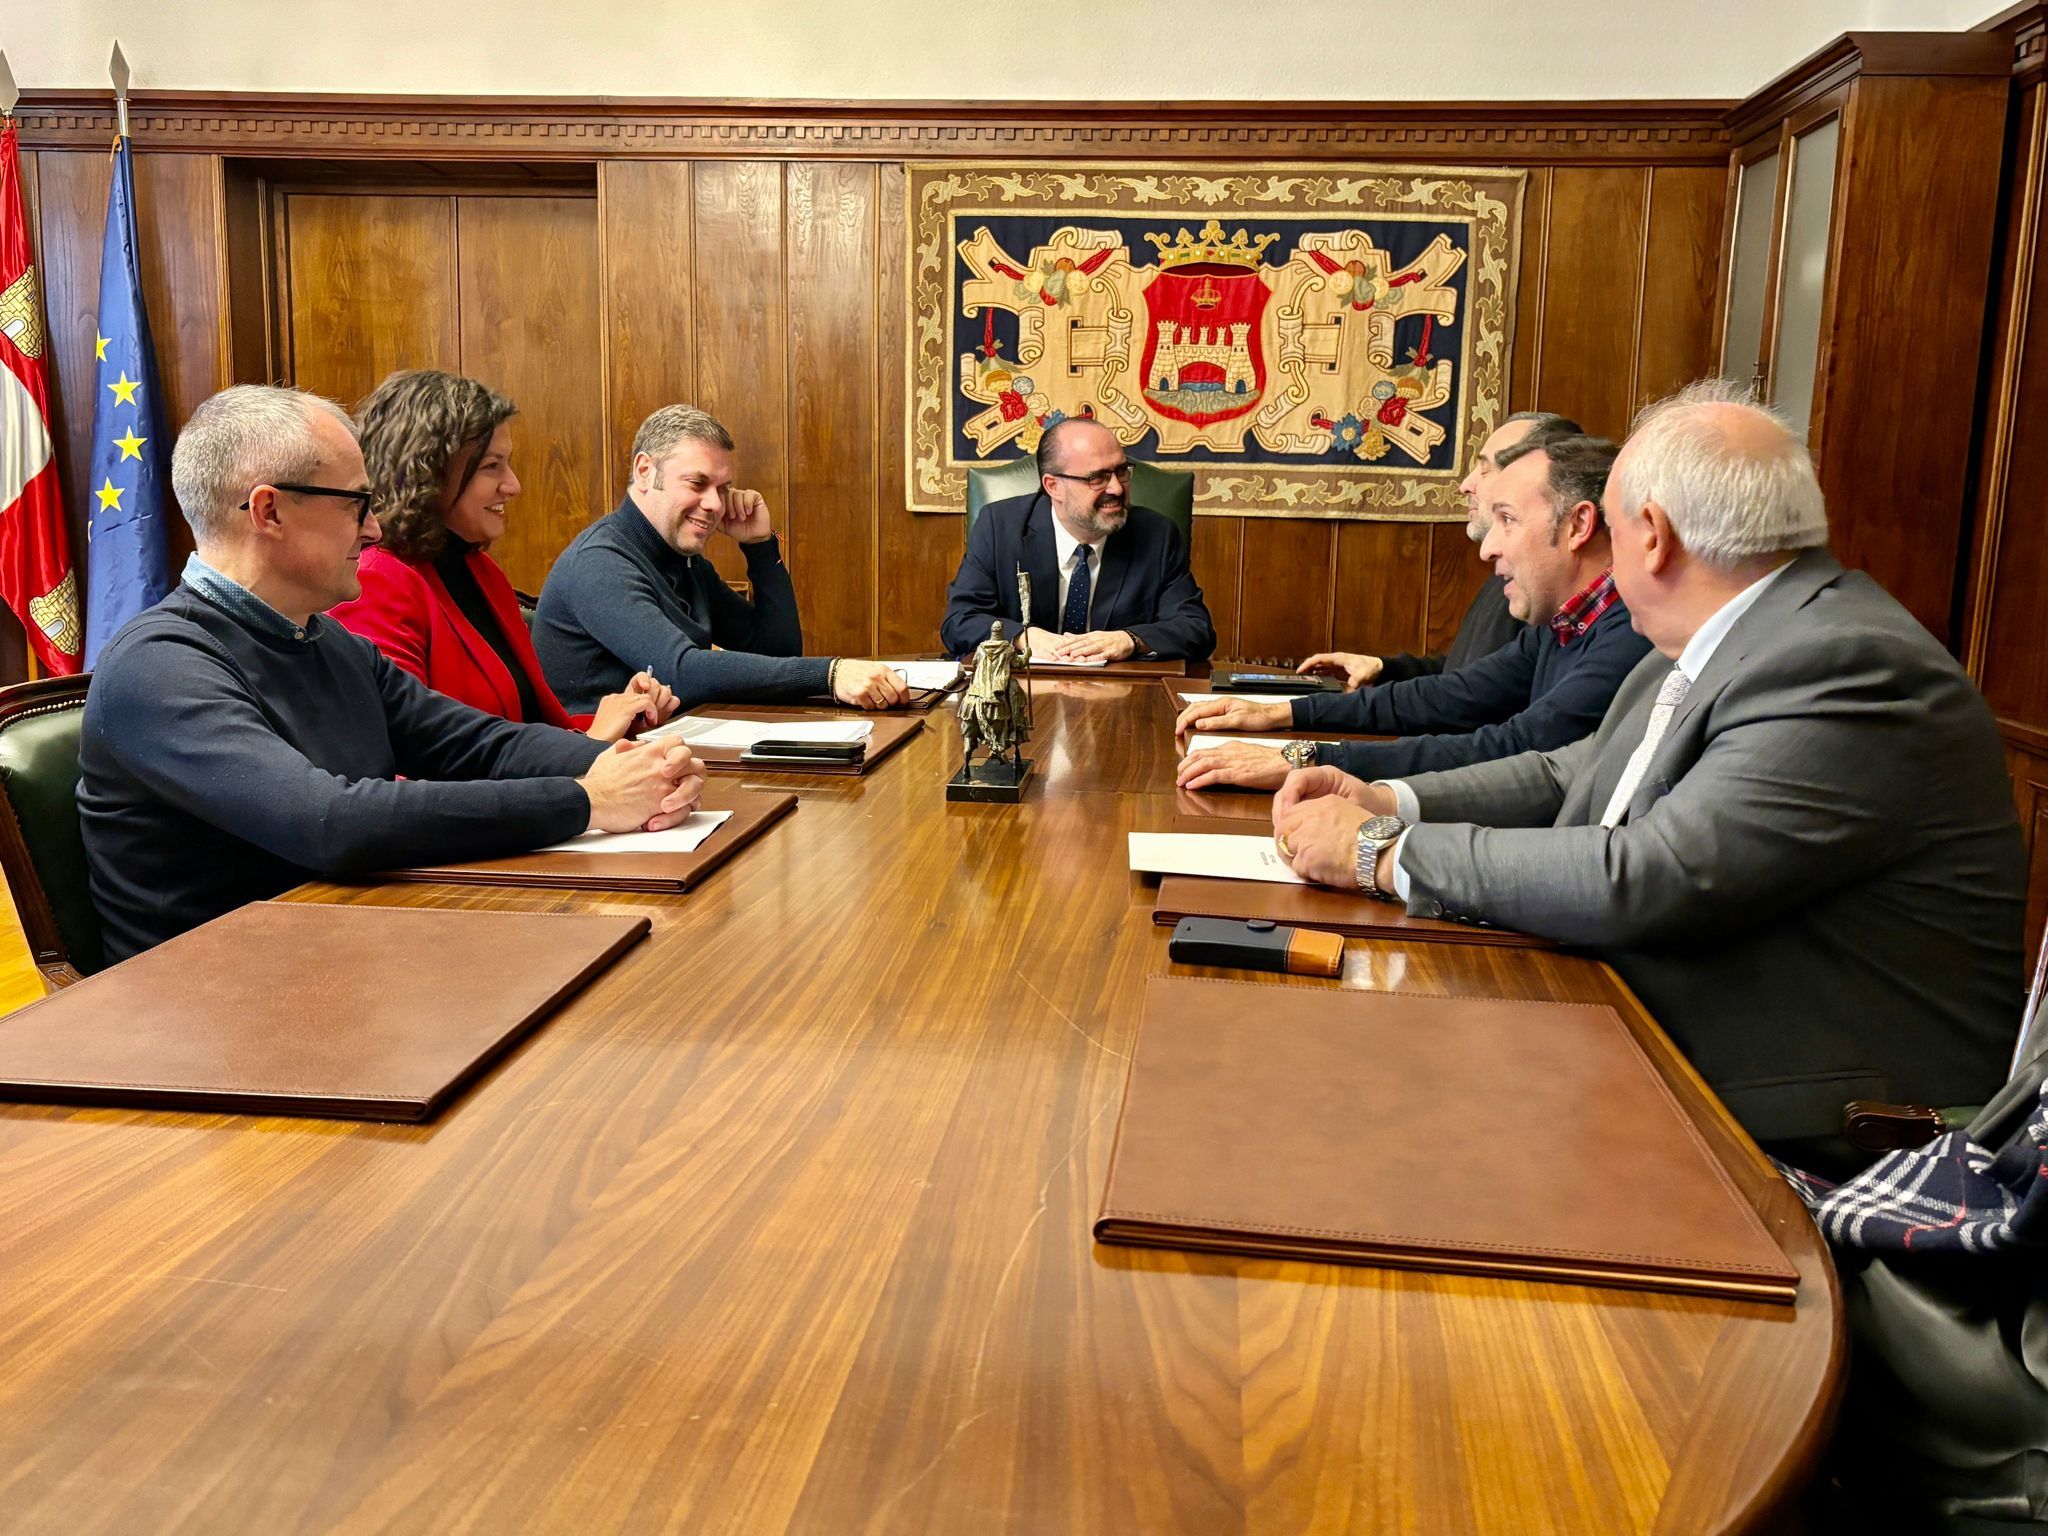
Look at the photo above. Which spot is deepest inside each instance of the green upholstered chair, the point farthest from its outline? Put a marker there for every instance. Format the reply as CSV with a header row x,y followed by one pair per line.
x,y
1169,492
41,853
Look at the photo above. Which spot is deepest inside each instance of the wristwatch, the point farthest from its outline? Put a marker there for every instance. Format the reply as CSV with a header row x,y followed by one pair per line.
x,y
1300,754
1378,833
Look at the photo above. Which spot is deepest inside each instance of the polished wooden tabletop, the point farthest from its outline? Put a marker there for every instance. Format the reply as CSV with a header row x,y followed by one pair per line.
x,y
783,1224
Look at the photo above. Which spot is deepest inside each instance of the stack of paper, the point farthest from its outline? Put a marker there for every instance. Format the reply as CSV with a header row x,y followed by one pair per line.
x,y
1218,855
927,674
1201,741
686,836
702,731
1249,698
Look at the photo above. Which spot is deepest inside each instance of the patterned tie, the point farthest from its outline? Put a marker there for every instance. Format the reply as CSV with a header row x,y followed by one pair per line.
x,y
1075,620
1669,697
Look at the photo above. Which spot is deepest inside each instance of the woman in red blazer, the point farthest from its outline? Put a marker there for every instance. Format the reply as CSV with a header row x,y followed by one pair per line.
x,y
439,451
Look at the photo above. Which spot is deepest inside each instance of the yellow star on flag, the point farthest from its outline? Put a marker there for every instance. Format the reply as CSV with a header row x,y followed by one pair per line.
x,y
124,389
99,346
130,445
110,496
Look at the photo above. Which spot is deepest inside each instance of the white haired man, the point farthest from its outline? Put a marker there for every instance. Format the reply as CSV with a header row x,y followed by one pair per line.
x,y
236,743
1792,834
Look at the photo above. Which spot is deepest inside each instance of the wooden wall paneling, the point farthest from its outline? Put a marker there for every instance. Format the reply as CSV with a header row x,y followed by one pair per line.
x,y
915,554
833,413
179,214
1592,276
528,282
1284,602
644,245
2029,771
1681,274
370,287
2019,247
2009,647
1217,559
72,201
247,242
1896,508
1455,573
1535,261
742,313
1381,594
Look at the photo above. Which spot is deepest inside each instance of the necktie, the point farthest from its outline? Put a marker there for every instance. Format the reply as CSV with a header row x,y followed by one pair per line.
x,y
1669,697
1075,620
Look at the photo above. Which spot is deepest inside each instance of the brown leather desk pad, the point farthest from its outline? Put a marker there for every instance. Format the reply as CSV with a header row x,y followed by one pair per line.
x,y
891,731
753,812
1461,1135
299,1008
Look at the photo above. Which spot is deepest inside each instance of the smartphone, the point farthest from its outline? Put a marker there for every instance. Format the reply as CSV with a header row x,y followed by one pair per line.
x,y
1222,681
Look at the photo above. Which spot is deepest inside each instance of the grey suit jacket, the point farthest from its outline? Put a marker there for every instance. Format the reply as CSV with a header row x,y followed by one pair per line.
x,y
1818,888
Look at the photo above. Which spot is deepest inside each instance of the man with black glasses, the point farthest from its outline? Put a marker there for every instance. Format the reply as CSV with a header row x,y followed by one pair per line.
x,y
1109,580
237,743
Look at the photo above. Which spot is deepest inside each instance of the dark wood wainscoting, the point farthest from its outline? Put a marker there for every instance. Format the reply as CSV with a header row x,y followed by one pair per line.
x,y
595,262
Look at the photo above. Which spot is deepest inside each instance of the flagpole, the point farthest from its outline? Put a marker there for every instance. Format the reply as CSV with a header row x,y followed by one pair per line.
x,y
117,70
10,93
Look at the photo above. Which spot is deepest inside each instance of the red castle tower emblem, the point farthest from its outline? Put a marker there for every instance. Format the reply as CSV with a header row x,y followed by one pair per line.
x,y
1203,358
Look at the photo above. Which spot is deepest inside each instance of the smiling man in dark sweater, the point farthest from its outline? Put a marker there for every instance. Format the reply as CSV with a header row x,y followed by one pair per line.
x,y
236,743
634,592
1545,689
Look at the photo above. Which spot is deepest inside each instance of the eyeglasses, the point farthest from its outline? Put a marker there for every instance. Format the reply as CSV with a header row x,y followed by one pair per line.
x,y
365,501
1100,479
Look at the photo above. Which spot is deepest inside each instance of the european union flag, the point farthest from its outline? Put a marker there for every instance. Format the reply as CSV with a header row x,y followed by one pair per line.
x,y
127,549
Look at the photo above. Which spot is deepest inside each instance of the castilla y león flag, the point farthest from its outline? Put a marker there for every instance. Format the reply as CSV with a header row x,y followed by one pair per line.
x,y
36,576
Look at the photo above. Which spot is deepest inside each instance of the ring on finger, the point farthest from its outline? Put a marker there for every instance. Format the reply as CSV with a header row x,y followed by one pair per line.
x,y
1280,841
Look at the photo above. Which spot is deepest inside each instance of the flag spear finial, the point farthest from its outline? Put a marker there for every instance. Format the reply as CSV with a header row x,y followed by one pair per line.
x,y
117,69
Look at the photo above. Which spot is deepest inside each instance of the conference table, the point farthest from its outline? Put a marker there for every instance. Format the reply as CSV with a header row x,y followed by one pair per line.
x,y
783,1223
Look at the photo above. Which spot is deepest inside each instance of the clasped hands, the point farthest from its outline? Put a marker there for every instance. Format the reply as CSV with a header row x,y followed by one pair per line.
x,y
1316,817
1096,645
642,786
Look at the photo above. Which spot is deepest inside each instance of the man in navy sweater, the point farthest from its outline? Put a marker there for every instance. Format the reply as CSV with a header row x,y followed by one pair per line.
x,y
1546,688
236,743
633,591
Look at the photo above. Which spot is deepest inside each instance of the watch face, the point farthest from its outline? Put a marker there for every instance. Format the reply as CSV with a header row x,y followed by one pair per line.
x,y
1383,828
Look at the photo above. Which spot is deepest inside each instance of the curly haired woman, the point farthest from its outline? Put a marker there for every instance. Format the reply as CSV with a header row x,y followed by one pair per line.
x,y
439,451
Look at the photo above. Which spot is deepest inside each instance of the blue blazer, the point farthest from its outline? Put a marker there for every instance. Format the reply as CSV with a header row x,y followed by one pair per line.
x,y
1144,585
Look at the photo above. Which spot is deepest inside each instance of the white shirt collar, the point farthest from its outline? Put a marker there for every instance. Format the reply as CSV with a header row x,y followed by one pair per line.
x,y
1699,650
1064,543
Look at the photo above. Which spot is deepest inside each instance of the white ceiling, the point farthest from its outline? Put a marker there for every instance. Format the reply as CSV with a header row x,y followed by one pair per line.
x,y
1146,50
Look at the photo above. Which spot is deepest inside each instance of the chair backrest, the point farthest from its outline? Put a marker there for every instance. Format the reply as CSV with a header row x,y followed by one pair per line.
x,y
41,852
1169,492
527,603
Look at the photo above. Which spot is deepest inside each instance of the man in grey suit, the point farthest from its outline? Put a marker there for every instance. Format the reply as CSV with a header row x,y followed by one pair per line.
x,y
1792,834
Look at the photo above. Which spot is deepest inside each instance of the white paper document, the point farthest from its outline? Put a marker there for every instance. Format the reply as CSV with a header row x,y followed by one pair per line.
x,y
700,731
1249,698
686,836
1220,855
1202,740
926,674
1046,661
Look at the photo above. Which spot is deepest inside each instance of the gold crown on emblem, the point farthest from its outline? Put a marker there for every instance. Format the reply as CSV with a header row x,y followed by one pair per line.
x,y
1212,245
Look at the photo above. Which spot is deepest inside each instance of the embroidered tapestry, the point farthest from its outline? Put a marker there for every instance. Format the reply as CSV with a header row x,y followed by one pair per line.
x,y
1316,340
